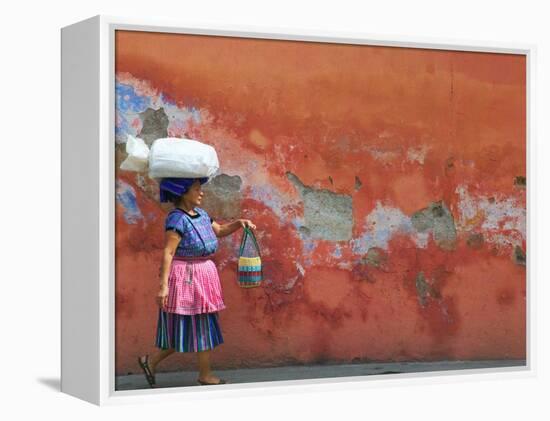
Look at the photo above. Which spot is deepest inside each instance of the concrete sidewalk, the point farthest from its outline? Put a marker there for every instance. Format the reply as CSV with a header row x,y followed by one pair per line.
x,y
301,372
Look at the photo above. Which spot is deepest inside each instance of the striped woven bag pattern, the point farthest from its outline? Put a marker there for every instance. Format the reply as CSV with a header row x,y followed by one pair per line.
x,y
250,268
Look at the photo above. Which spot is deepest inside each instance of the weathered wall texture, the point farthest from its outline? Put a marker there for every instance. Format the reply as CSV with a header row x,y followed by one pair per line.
x,y
387,184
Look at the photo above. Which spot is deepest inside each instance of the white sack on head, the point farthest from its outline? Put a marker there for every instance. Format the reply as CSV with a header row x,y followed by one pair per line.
x,y
174,157
138,155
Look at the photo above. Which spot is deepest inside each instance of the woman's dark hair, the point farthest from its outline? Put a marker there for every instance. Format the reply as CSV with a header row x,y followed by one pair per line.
x,y
173,198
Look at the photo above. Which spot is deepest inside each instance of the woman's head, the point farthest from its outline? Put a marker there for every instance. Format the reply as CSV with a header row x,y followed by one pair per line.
x,y
176,190
193,195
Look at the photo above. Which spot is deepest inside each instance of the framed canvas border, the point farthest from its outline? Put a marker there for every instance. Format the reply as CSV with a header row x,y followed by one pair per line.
x,y
104,176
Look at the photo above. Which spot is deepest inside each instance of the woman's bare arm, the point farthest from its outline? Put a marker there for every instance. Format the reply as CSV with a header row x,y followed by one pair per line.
x,y
172,239
230,228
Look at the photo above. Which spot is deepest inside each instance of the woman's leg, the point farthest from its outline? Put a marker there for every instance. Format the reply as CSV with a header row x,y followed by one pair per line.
x,y
205,373
157,357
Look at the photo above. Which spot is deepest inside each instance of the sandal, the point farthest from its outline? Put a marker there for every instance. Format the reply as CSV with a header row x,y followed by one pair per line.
x,y
222,381
147,371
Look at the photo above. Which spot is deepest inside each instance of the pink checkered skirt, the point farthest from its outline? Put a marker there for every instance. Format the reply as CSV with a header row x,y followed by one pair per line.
x,y
194,286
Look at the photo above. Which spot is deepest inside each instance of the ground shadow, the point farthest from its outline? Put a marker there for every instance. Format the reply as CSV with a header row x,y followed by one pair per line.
x,y
52,382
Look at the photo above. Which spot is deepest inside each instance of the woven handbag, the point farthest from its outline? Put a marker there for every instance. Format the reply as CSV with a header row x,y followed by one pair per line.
x,y
250,268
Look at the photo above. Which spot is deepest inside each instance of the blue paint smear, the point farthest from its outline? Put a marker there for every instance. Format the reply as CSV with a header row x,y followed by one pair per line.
x,y
309,245
128,104
196,114
164,99
297,224
128,101
362,244
126,196
122,127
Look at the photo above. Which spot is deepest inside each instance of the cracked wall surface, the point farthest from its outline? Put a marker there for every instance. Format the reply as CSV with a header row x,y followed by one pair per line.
x,y
154,125
388,187
328,215
223,196
437,218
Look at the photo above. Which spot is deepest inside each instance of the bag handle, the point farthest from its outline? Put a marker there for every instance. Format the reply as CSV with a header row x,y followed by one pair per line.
x,y
248,232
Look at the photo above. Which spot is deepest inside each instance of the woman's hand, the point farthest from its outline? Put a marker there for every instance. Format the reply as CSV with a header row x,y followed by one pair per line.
x,y
162,297
247,223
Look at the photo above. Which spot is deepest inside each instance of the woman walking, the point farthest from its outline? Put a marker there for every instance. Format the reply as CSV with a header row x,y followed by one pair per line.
x,y
190,295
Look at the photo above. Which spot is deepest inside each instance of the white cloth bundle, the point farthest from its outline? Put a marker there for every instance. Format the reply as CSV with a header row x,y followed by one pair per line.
x,y
171,157
138,155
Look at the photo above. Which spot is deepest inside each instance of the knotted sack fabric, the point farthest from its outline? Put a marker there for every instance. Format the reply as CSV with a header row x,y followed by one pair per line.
x,y
171,158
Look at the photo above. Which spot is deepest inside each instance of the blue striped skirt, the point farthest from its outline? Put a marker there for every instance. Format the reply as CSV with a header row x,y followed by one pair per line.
x,y
188,332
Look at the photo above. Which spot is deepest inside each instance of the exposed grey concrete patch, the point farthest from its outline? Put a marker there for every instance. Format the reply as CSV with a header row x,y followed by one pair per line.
x,y
155,125
223,196
475,241
423,289
148,186
437,218
520,181
358,183
519,256
305,231
360,271
227,183
120,154
376,257
328,215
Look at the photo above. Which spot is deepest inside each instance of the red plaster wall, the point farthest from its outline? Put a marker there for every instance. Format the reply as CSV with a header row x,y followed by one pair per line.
x,y
345,111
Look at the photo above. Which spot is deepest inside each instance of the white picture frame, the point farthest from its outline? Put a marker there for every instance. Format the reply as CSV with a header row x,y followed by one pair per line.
x,y
88,203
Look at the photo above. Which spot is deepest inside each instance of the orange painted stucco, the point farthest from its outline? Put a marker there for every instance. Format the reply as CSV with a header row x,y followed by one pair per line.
x,y
392,130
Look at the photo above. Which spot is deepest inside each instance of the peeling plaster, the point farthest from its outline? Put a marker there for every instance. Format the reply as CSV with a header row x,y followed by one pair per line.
x,y
437,218
423,289
402,147
135,97
348,265
475,241
417,154
426,290
358,183
385,154
155,125
337,252
381,224
520,181
300,269
270,197
519,256
128,105
384,222
126,197
328,215
376,257
179,119
148,186
492,215
224,195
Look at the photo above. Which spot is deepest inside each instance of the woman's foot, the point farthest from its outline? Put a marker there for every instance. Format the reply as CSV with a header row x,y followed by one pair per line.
x,y
148,370
210,379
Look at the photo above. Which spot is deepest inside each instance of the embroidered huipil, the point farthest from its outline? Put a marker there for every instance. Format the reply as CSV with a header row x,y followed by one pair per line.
x,y
194,284
198,237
